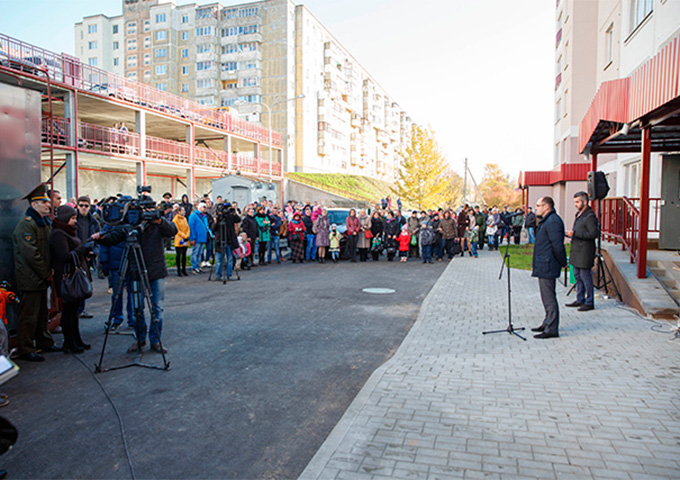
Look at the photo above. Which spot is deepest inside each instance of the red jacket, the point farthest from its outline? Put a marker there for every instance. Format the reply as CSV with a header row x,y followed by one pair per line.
x,y
353,225
404,239
294,228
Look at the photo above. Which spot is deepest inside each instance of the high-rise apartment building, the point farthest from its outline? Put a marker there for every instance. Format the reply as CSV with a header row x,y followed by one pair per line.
x,y
253,58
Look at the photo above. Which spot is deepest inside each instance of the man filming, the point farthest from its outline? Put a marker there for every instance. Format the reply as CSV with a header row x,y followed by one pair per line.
x,y
582,255
151,240
226,242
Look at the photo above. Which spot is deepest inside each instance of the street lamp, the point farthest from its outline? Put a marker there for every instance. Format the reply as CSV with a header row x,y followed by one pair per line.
x,y
269,113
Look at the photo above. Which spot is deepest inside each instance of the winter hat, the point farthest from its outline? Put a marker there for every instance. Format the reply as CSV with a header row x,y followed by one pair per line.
x,y
65,212
334,226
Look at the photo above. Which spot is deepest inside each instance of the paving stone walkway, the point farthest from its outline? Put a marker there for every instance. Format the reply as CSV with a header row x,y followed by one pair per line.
x,y
602,401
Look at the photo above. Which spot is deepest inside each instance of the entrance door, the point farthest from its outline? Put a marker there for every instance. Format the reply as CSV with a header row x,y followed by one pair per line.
x,y
241,195
669,234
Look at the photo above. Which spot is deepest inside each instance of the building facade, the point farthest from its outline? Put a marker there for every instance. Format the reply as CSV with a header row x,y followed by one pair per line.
x,y
253,59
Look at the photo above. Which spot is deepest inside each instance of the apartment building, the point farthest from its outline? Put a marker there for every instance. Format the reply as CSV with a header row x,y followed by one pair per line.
x,y
253,58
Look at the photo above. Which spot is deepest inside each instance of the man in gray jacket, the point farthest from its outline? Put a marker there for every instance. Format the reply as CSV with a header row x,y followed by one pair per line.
x,y
582,256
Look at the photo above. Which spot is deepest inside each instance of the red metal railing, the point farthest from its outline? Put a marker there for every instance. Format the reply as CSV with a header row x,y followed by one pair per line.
x,y
621,222
111,141
70,71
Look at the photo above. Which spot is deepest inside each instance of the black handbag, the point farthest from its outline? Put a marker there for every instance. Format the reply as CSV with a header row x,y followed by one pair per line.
x,y
76,284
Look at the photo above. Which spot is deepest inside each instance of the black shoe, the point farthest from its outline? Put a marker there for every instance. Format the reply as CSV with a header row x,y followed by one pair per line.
x,y
32,357
547,335
68,350
50,349
585,307
85,346
538,329
575,303
85,315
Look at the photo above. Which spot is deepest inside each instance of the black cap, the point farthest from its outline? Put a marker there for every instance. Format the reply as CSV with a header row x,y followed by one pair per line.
x,y
38,194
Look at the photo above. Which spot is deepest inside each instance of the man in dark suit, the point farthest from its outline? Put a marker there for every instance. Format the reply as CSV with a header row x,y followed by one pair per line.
x,y
549,259
582,256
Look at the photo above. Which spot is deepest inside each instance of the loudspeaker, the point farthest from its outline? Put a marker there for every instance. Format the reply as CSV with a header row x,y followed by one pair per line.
x,y
598,187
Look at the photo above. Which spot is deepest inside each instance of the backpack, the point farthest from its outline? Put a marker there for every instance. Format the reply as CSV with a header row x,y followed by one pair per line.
x,y
426,236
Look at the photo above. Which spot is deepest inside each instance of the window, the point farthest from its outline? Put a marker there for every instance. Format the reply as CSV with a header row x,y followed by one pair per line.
x,y
161,35
205,83
132,75
147,42
116,62
132,61
92,45
92,29
229,13
231,48
249,65
185,18
161,52
132,44
249,82
147,74
185,87
609,45
248,12
632,172
205,48
639,9
161,69
147,59
147,27
204,31
116,45
247,29
229,84
248,47
200,66
185,70
206,100
184,53
185,35
131,28
115,29
160,18
230,31
92,61
162,86
229,66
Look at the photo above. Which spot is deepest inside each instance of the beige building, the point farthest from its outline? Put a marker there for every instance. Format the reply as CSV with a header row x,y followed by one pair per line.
x,y
253,57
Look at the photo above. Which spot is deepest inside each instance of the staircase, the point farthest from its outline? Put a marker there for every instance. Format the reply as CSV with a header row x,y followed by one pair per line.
x,y
668,274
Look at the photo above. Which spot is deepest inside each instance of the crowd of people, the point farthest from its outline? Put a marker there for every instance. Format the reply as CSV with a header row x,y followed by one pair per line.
x,y
223,237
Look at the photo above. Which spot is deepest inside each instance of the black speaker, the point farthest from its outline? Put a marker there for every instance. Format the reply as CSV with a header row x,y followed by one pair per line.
x,y
598,187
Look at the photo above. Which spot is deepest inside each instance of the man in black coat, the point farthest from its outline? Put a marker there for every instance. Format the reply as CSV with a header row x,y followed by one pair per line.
x,y
582,256
86,226
152,243
530,224
250,228
549,259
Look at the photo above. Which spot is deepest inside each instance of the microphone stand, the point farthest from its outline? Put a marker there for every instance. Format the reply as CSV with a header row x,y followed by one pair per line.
x,y
511,329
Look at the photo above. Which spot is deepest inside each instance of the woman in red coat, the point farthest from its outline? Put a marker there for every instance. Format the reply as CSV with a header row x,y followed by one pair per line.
x,y
296,237
353,229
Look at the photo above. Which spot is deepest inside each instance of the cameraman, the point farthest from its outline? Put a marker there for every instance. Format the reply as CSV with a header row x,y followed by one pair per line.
x,y
226,242
154,230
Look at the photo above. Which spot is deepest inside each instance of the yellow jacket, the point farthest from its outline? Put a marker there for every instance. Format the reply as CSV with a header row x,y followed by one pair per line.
x,y
182,237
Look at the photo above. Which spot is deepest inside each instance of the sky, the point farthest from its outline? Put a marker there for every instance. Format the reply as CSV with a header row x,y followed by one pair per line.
x,y
480,73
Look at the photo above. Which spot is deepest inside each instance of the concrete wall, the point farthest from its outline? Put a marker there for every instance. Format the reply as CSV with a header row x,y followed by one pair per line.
x,y
304,193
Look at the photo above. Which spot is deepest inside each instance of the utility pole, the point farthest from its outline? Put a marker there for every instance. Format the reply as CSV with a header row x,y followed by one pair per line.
x,y
465,171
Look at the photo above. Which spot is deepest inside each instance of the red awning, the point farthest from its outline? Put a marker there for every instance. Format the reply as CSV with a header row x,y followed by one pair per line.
x,y
565,172
650,96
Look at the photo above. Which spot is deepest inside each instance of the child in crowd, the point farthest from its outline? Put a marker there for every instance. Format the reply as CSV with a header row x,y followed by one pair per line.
x,y
242,252
334,238
404,239
425,238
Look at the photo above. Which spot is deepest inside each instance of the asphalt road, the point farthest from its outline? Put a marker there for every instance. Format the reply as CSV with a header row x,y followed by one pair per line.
x,y
261,371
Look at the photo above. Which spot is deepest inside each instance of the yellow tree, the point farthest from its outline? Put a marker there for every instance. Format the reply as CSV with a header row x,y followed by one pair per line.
x,y
497,187
453,195
422,181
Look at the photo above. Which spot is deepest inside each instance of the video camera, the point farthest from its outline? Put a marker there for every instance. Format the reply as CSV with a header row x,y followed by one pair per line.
x,y
223,210
129,211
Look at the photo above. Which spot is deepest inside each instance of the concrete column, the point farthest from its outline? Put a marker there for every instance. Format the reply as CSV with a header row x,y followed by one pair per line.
x,y
140,128
71,176
70,115
191,172
227,148
141,172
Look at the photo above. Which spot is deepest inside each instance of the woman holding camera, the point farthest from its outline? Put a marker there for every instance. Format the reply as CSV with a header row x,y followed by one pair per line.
x,y
65,249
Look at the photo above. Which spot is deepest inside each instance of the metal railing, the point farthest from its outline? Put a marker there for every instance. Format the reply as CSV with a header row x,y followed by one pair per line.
x,y
68,70
621,222
111,141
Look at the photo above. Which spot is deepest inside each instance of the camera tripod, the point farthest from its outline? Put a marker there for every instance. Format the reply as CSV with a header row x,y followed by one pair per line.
x,y
133,268
223,248
511,329
604,275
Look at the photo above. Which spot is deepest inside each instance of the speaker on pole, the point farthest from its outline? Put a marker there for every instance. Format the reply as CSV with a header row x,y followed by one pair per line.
x,y
598,187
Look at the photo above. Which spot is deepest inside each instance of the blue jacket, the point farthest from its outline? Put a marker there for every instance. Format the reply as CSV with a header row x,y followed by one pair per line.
x,y
110,255
198,226
549,253
276,225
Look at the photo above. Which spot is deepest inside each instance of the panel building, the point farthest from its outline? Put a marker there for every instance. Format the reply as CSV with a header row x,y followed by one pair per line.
x,y
252,58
